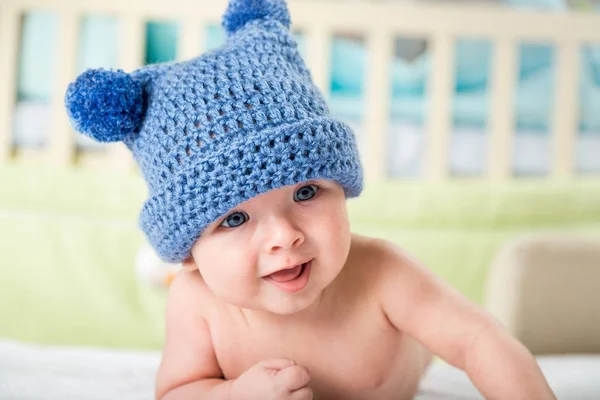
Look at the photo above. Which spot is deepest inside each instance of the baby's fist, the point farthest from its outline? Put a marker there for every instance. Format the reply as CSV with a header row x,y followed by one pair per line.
x,y
276,379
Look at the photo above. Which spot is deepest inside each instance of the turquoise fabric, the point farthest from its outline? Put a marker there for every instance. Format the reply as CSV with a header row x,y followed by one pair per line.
x,y
97,43
408,79
37,43
534,103
161,39
96,48
539,4
215,36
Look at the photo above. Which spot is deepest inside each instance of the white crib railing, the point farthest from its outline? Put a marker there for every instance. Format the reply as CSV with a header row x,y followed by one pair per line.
x,y
380,23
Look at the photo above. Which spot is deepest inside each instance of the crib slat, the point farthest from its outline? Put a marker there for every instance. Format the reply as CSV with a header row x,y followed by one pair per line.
x,y
566,108
318,56
9,33
379,49
62,144
504,79
191,39
132,43
440,92
131,57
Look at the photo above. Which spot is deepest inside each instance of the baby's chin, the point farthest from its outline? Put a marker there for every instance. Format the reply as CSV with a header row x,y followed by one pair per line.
x,y
291,306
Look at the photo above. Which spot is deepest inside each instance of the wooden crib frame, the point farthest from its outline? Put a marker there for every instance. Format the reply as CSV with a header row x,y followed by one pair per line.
x,y
378,22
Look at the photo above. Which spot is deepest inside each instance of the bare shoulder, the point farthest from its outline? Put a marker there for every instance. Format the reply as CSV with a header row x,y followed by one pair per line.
x,y
381,259
188,354
189,295
188,286
398,279
420,303
377,266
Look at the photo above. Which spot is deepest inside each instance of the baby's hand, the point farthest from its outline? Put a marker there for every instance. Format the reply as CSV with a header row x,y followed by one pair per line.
x,y
276,379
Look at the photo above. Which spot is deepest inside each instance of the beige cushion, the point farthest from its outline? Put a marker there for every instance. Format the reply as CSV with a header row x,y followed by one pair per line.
x,y
546,291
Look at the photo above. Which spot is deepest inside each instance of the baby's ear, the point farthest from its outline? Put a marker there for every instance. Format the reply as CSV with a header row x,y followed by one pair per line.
x,y
189,264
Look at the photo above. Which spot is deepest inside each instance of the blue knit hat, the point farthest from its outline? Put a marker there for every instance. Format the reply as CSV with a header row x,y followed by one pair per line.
x,y
220,129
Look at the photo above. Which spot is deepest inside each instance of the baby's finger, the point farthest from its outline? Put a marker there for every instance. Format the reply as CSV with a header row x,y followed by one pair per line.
x,y
304,393
277,363
293,378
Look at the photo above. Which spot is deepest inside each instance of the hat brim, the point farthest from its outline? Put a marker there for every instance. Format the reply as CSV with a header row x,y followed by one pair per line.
x,y
323,148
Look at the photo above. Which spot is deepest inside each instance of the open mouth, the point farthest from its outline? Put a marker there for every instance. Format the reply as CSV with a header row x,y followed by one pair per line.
x,y
291,280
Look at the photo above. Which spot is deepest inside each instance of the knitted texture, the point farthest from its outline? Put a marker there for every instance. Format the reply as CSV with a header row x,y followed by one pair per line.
x,y
95,109
219,129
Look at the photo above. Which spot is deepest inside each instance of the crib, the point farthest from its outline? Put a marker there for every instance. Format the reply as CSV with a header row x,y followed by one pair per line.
x,y
440,25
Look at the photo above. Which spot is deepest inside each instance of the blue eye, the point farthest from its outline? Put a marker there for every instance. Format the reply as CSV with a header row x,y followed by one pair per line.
x,y
235,219
306,193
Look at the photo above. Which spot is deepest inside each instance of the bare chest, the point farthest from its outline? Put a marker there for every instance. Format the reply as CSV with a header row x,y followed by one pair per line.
x,y
355,357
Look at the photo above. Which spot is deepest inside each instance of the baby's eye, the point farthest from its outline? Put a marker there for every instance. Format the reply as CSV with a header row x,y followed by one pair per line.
x,y
235,219
306,193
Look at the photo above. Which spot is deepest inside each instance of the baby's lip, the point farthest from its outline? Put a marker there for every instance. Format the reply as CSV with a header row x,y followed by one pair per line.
x,y
288,267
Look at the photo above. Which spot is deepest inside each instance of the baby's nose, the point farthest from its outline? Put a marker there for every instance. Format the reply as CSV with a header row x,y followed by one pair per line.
x,y
281,233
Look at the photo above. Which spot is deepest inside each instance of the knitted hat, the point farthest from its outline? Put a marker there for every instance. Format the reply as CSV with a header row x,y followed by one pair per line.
x,y
220,129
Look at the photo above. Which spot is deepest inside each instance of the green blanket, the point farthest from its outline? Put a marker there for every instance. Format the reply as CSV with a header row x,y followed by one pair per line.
x,y
68,240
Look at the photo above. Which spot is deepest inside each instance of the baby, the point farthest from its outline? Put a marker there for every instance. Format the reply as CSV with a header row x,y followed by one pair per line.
x,y
248,177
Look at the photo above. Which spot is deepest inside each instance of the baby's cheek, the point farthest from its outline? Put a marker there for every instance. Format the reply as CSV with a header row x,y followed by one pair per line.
x,y
335,223
230,281
336,235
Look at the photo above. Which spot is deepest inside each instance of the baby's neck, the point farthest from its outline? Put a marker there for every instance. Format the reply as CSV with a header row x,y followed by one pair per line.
x,y
320,309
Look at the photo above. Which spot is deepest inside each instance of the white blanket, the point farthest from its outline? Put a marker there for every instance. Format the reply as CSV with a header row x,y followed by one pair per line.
x,y
35,372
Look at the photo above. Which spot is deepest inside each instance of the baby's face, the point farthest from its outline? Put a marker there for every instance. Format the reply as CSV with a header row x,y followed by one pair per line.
x,y
302,230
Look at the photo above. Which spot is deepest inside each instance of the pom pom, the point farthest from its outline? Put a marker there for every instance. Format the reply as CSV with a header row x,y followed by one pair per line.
x,y
105,105
239,12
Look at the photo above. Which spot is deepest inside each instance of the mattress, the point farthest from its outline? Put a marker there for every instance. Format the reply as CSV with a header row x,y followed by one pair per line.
x,y
32,372
468,153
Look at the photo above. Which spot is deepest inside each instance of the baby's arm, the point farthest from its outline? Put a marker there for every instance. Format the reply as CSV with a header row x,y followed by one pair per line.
x,y
189,367
422,305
